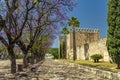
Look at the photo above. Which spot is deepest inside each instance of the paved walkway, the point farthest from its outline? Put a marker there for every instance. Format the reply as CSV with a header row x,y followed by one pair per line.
x,y
59,70
55,70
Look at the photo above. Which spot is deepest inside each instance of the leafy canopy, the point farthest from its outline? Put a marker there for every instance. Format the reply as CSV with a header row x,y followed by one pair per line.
x,y
65,31
74,22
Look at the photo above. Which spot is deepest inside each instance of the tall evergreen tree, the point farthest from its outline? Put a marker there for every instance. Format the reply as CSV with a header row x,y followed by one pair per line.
x,y
74,23
113,37
65,32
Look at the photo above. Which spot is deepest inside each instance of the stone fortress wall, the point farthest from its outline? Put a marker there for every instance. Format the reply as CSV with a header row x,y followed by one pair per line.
x,y
88,42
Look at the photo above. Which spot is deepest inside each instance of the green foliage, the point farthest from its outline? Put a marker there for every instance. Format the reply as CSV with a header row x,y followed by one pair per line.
x,y
62,50
113,37
35,1
74,22
54,52
3,48
5,56
96,57
65,31
40,43
18,56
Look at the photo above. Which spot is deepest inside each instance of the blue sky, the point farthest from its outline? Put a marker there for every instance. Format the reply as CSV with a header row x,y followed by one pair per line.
x,y
91,14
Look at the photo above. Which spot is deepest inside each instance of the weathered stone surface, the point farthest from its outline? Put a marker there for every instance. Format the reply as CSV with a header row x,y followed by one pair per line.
x,y
2,75
55,70
88,42
34,79
60,70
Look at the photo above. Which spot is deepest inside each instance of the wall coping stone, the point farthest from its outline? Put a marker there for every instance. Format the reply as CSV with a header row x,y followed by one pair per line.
x,y
99,72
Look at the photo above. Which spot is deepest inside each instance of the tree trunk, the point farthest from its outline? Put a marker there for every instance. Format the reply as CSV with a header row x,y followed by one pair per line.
x,y
74,45
65,48
12,59
97,60
61,50
32,59
13,64
25,61
37,60
118,66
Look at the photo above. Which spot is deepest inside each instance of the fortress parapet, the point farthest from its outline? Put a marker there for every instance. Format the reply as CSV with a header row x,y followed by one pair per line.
x,y
86,30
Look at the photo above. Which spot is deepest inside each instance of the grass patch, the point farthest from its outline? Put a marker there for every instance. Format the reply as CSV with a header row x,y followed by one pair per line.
x,y
101,65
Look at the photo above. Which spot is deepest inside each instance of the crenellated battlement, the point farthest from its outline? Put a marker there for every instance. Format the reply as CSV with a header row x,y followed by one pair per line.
x,y
86,30
84,35
87,41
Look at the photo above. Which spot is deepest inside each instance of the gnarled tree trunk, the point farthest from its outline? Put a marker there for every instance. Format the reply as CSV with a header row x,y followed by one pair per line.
x,y
25,61
12,59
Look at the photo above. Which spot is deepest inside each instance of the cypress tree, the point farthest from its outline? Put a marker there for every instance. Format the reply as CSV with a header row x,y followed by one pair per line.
x,y
65,32
113,37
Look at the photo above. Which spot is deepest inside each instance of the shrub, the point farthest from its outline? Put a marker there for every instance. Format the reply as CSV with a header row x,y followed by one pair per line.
x,y
18,56
96,57
54,52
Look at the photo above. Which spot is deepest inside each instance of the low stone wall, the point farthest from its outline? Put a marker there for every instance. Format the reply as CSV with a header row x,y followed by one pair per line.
x,y
99,72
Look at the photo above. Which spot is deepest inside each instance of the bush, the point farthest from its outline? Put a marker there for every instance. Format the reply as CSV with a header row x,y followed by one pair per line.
x,y
96,57
54,52
18,56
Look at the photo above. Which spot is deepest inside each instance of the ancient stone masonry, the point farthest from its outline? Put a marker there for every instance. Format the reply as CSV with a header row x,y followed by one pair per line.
x,y
84,36
88,42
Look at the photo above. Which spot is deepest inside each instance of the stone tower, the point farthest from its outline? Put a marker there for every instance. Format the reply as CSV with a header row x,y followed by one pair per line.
x,y
83,37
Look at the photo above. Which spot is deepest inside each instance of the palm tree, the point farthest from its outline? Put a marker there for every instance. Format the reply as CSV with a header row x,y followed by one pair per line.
x,y
74,23
65,32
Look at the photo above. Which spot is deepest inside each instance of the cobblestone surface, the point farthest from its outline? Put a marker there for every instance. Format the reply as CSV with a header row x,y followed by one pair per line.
x,y
57,70
60,70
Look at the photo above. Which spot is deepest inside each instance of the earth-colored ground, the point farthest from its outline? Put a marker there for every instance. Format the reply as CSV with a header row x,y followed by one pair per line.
x,y
5,65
